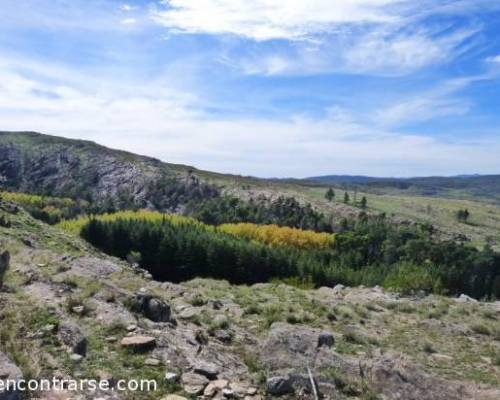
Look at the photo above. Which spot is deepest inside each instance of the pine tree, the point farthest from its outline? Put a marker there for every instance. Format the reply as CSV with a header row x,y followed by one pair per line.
x,y
330,194
364,202
346,198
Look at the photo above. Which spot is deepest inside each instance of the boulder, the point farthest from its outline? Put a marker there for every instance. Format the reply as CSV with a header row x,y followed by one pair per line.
x,y
9,371
138,342
151,307
326,339
206,369
279,385
193,384
71,335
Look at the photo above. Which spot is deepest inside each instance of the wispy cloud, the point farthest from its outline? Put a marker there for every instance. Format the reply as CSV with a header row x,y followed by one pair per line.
x,y
173,126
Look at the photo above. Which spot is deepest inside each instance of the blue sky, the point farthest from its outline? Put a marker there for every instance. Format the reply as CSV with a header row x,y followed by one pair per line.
x,y
265,88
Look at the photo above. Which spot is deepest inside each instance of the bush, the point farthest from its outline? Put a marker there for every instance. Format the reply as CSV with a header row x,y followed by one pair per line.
x,y
409,278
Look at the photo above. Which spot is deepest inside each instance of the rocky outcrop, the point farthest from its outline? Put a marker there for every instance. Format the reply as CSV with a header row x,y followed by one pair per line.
x,y
151,307
71,335
9,372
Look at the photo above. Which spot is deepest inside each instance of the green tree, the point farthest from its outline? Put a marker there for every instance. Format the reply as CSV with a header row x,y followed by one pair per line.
x,y
330,194
364,202
346,198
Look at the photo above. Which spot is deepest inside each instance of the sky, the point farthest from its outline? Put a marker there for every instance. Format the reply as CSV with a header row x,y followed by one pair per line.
x,y
269,88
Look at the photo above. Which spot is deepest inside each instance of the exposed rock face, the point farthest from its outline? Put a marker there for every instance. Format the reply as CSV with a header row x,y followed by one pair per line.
x,y
9,371
70,334
36,163
4,265
151,307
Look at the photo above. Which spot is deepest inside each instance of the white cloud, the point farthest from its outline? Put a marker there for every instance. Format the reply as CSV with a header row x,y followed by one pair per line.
x,y
494,59
155,120
382,37
271,19
127,7
128,21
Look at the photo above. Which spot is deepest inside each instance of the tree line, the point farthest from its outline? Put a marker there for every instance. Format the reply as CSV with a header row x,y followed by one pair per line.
x,y
371,252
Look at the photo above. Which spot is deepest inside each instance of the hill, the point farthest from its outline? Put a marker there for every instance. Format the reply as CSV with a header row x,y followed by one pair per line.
x,y
111,179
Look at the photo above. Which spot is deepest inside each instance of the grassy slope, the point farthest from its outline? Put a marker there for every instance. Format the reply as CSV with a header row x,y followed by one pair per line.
x,y
483,227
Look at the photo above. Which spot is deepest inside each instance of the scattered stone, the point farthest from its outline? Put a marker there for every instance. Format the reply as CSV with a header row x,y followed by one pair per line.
x,y
79,310
238,389
338,288
171,377
442,357
252,391
174,397
193,384
49,328
111,339
152,362
131,328
463,298
228,393
151,307
206,369
71,335
326,339
188,313
223,336
76,357
279,385
138,342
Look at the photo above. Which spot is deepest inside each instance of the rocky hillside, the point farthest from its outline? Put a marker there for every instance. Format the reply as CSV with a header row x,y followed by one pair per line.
x,y
68,311
35,163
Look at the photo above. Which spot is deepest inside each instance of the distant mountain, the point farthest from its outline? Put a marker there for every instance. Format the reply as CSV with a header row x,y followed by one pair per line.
x,y
484,186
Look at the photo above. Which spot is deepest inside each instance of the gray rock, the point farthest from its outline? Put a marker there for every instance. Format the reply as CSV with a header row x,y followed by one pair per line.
x,y
71,335
9,371
193,384
171,377
206,369
138,342
151,307
279,386
326,339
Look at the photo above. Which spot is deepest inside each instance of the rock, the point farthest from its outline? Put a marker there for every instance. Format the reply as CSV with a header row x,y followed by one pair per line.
x,y
188,313
131,328
463,298
174,397
171,377
138,342
326,339
338,288
76,357
210,391
193,384
238,389
151,307
223,336
79,310
228,393
206,369
152,362
9,371
71,335
4,265
279,386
